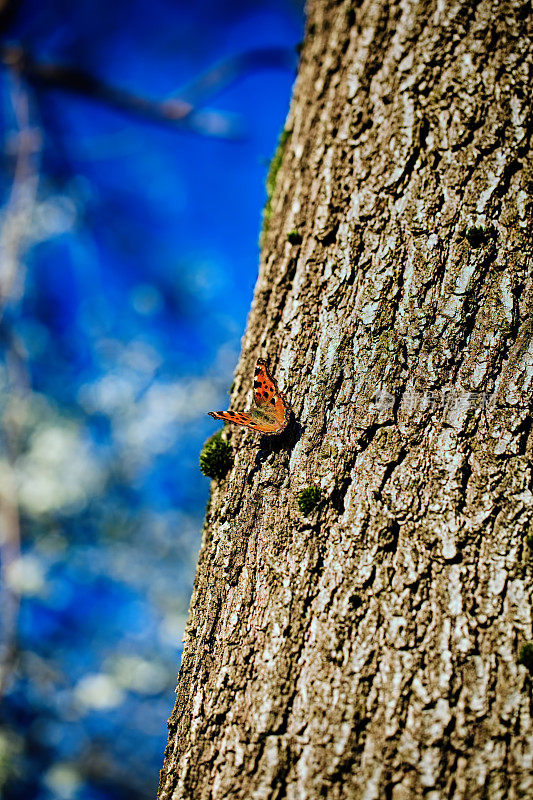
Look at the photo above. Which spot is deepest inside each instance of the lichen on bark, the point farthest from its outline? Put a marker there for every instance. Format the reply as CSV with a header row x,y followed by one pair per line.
x,y
372,650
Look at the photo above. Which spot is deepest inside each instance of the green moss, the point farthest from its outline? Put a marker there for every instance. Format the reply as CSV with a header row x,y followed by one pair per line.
x,y
275,164
294,237
525,656
216,457
308,499
529,541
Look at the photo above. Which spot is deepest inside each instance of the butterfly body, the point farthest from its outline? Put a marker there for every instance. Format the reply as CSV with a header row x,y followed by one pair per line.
x,y
271,413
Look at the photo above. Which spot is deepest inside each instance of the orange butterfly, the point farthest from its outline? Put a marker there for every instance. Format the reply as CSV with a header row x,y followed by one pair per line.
x,y
272,413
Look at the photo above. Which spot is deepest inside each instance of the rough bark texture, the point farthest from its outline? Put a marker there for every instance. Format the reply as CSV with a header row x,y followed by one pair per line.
x,y
370,650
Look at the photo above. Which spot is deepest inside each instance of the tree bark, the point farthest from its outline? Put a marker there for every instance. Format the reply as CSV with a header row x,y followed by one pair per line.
x,y
370,649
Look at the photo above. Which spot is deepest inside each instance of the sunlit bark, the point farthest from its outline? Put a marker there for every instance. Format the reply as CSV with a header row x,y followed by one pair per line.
x,y
370,649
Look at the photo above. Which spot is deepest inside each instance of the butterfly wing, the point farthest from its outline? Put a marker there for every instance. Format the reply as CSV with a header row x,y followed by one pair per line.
x,y
272,412
271,403
240,418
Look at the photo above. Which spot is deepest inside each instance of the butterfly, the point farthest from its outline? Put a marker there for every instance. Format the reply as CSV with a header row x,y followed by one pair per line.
x,y
271,413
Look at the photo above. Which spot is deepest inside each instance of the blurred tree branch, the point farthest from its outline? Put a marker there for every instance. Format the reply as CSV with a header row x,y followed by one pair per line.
x,y
14,229
10,552
8,8
15,216
180,109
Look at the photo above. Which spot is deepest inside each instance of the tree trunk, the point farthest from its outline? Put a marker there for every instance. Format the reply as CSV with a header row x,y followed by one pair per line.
x,y
371,648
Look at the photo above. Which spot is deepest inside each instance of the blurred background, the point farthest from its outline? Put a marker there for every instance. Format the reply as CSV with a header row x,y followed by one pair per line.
x,y
135,140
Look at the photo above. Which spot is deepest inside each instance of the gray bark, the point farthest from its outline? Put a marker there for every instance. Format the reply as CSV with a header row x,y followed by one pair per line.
x,y
370,650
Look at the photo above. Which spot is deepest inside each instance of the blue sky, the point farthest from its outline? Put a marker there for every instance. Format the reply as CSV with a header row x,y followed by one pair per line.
x,y
135,264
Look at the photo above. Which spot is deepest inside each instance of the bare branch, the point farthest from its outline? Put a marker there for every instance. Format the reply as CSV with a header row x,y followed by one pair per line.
x,y
180,109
